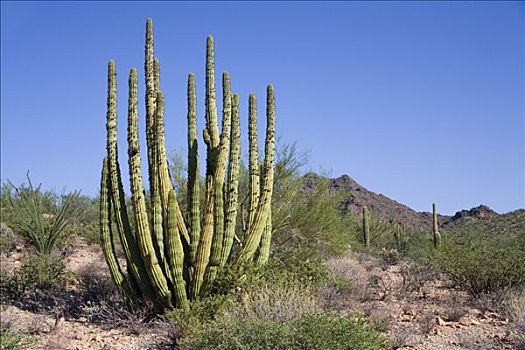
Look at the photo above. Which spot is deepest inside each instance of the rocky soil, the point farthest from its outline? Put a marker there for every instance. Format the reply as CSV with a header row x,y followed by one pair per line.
x,y
418,308
414,305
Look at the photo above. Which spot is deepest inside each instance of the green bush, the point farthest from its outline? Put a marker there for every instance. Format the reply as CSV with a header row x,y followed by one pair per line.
x,y
10,340
309,332
37,272
481,264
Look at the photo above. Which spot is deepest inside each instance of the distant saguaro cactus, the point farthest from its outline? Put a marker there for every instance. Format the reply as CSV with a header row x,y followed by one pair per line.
x,y
397,236
366,227
173,258
435,227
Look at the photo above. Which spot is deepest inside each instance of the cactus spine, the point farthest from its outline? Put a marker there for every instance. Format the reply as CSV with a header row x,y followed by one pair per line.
x,y
171,260
366,227
435,227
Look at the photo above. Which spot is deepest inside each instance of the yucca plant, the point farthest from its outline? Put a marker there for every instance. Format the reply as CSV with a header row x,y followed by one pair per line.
x,y
41,217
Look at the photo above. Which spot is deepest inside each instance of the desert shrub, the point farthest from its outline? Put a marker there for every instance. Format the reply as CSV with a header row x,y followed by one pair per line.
x,y
39,216
10,340
480,264
310,331
7,239
84,217
201,312
38,272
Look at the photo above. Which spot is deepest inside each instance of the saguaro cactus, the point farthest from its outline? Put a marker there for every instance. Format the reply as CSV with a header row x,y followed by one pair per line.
x,y
173,258
366,227
435,227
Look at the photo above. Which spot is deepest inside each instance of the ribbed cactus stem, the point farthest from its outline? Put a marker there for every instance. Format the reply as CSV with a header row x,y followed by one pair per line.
x,y
193,171
156,69
135,264
253,167
435,227
366,227
255,230
176,254
143,234
162,167
106,236
212,124
264,249
232,189
149,71
218,180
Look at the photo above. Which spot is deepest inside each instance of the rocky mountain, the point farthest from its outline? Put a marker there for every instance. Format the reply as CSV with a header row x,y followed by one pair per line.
x,y
386,209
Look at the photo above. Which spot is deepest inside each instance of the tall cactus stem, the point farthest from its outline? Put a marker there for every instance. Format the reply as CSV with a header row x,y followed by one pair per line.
x,y
193,171
220,172
176,254
232,189
255,231
366,227
143,235
135,264
106,236
253,159
435,227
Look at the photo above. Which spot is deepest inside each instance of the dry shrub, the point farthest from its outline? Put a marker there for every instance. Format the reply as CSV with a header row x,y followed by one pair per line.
x,y
266,303
455,307
354,270
416,275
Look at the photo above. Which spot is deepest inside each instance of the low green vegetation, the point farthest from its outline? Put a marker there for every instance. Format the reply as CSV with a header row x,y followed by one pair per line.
x,y
10,340
481,263
310,331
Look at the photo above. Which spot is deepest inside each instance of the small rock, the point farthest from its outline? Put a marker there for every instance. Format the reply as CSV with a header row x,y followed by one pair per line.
x,y
474,312
465,321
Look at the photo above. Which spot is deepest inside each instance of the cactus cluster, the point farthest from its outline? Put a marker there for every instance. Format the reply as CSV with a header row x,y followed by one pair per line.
x,y
173,254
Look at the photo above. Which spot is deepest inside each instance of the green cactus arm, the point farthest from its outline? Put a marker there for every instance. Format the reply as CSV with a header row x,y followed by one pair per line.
x,y
253,166
232,193
193,170
156,70
162,168
175,253
212,124
255,231
266,239
204,247
134,263
149,72
366,227
147,256
220,172
106,237
435,227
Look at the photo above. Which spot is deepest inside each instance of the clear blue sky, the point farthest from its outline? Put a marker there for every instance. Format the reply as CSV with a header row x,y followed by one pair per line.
x,y
421,102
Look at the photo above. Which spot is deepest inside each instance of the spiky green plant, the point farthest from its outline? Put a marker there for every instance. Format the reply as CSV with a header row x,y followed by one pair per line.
x,y
435,227
39,217
173,258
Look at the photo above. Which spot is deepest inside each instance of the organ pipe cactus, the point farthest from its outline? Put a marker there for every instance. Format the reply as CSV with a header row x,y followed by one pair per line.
x,y
366,227
173,257
435,227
